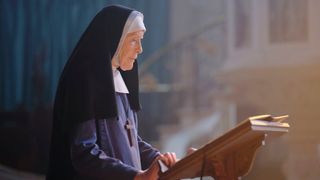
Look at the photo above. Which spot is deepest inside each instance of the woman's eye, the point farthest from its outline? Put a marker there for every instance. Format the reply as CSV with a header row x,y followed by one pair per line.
x,y
133,42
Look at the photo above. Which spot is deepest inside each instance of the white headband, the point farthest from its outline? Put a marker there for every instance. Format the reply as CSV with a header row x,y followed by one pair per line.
x,y
136,24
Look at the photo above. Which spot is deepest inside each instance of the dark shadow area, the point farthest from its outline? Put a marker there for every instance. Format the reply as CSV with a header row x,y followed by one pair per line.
x,y
24,139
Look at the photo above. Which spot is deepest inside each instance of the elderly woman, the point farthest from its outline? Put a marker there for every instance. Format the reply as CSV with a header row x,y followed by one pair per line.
x,y
94,132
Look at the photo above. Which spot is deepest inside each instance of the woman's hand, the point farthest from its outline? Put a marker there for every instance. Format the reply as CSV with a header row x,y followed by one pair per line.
x,y
152,173
169,159
191,150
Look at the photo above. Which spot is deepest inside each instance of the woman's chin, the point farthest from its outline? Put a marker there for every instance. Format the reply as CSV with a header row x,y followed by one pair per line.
x,y
126,68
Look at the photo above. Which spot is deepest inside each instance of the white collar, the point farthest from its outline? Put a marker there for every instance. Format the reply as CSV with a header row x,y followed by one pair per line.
x,y
119,84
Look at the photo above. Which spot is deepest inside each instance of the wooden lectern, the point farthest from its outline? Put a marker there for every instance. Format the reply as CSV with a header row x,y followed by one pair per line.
x,y
230,156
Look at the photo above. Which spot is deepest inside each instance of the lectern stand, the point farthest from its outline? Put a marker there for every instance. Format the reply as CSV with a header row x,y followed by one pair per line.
x,y
230,156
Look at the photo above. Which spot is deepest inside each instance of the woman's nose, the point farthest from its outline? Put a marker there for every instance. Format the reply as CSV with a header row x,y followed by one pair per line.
x,y
139,48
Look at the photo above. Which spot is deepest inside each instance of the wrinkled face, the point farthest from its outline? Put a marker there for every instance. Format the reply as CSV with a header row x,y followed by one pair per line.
x,y
131,47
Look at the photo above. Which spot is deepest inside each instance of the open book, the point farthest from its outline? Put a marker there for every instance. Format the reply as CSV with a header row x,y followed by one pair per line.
x,y
269,118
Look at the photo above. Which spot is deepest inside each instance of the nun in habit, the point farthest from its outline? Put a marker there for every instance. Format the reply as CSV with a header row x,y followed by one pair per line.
x,y
94,133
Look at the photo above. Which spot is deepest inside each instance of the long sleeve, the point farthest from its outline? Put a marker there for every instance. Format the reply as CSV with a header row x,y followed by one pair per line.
x,y
90,161
147,153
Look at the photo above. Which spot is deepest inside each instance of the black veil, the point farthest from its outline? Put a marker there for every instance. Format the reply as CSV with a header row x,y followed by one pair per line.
x,y
86,88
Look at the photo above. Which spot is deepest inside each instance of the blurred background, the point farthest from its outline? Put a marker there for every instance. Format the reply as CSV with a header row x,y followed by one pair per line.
x,y
206,66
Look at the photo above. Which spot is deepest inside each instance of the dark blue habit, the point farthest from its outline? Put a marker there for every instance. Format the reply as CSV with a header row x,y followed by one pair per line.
x,y
101,150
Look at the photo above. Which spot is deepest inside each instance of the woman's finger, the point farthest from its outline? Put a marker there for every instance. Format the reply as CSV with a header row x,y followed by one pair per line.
x,y
171,158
